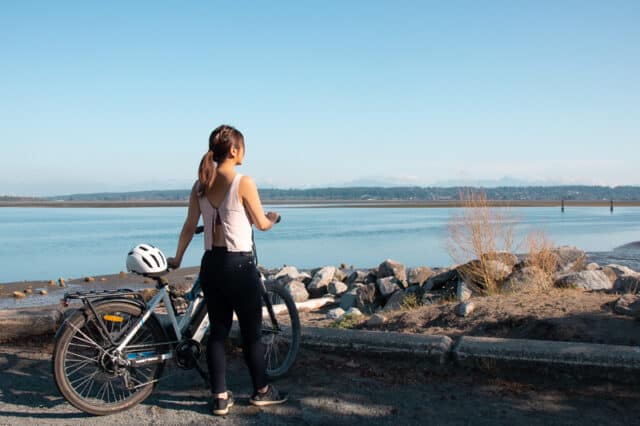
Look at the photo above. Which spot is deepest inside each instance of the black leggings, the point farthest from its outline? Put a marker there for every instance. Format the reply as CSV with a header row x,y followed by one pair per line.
x,y
231,282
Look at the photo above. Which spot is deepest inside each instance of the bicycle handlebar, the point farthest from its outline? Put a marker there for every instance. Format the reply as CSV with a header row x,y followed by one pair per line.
x,y
200,229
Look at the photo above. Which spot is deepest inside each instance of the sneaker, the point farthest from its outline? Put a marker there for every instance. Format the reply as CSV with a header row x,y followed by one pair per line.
x,y
270,397
221,406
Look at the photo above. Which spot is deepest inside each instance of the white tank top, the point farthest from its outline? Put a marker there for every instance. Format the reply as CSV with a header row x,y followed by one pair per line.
x,y
233,218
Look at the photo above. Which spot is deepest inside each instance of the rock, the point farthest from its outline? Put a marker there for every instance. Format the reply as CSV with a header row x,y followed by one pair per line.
x,y
43,292
627,283
529,278
335,314
620,270
190,277
387,286
462,292
376,320
353,311
340,275
297,290
610,273
62,282
103,279
366,299
586,280
287,270
395,302
321,279
52,283
504,257
348,299
122,274
89,279
391,268
357,276
337,288
19,295
28,291
473,273
419,275
592,267
465,309
431,297
629,304
570,259
443,280
148,293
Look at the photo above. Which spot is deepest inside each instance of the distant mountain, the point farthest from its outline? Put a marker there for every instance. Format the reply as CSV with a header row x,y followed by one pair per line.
x,y
416,193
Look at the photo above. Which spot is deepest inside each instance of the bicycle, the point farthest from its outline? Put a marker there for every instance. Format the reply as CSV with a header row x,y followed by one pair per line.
x,y
110,354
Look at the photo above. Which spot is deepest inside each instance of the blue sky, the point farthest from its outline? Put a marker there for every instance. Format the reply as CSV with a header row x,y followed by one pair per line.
x,y
112,96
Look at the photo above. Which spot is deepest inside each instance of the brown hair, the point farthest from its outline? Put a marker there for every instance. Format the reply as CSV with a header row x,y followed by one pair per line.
x,y
221,140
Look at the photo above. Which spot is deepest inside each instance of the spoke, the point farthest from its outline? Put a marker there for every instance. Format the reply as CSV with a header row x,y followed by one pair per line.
x,y
80,367
85,379
102,391
89,339
81,357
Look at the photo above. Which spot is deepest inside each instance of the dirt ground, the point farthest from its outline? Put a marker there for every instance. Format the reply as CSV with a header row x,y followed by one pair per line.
x,y
567,315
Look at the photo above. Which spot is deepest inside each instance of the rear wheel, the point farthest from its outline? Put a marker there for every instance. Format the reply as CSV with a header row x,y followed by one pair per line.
x,y
85,368
281,334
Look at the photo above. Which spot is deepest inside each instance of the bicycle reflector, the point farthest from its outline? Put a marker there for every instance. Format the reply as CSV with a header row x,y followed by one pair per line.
x,y
113,318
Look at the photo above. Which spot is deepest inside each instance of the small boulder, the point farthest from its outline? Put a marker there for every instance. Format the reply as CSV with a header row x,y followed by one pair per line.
x,y
337,288
592,267
447,279
463,293
629,304
366,299
465,309
89,279
122,274
570,259
353,311
62,282
356,276
43,292
391,268
627,283
387,286
336,313
19,295
419,275
28,290
297,290
52,283
527,279
376,320
395,302
620,270
287,270
348,299
321,279
610,273
586,280
504,257
340,275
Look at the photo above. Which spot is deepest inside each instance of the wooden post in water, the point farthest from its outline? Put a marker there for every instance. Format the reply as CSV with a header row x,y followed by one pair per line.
x,y
611,208
562,206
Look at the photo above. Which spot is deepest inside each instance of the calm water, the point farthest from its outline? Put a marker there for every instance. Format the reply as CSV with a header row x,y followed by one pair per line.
x,y
46,243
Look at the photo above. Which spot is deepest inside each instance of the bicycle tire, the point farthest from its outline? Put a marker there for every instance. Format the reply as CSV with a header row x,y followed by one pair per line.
x,y
74,359
281,345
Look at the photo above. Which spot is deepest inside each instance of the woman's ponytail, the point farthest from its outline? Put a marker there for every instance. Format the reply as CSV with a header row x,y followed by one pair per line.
x,y
206,173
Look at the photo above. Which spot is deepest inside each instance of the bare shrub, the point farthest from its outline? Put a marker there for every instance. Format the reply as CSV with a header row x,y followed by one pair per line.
x,y
478,237
541,254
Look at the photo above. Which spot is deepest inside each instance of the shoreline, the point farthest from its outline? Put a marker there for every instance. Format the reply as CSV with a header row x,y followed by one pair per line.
x,y
323,203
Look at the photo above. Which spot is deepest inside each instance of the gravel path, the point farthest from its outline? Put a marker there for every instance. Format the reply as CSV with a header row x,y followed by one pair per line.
x,y
328,389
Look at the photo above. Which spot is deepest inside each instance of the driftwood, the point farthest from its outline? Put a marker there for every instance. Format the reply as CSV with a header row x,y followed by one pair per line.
x,y
21,323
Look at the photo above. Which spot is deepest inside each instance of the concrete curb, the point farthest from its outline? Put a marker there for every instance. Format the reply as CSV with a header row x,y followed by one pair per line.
x,y
580,359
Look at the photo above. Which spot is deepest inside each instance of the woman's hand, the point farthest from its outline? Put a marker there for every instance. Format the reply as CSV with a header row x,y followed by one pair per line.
x,y
173,263
273,216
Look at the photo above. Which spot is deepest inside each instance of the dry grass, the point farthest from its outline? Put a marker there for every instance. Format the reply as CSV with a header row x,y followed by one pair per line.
x,y
542,257
410,302
476,238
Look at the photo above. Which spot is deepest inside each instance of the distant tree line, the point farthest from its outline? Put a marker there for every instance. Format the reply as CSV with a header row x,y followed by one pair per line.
x,y
532,193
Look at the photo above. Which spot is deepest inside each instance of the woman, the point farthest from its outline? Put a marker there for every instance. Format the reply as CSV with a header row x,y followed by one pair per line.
x,y
229,204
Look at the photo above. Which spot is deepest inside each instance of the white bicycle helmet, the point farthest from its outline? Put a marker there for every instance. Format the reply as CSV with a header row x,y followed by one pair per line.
x,y
146,259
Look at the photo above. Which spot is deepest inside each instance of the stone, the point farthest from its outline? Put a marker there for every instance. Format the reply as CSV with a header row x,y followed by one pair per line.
x,y
387,286
496,270
337,288
465,309
570,259
627,283
366,299
527,279
321,279
586,280
348,299
335,314
122,274
43,292
419,275
287,270
610,273
340,275
463,293
629,304
376,320
447,279
504,257
356,276
592,267
148,293
89,279
353,311
297,290
62,282
431,297
391,268
620,270
19,295
103,279
395,302
52,283
28,291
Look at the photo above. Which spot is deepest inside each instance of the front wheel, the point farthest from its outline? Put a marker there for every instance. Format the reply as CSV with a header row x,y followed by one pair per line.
x,y
280,330
85,369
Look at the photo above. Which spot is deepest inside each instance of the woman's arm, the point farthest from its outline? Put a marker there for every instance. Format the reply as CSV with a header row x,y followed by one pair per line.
x,y
251,201
188,229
